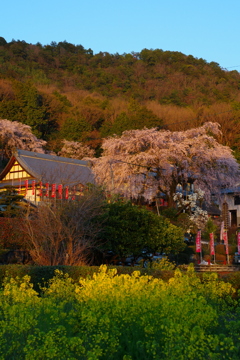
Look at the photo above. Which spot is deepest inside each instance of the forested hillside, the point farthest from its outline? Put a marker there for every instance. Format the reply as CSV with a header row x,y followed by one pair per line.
x,y
64,91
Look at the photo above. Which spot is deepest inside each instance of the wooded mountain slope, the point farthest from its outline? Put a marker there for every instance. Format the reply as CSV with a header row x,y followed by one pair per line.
x,y
64,91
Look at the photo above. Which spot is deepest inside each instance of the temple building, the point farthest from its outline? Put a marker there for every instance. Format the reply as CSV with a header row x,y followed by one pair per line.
x,y
39,176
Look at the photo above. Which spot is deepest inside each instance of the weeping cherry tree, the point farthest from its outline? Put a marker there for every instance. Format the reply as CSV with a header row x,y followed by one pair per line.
x,y
147,162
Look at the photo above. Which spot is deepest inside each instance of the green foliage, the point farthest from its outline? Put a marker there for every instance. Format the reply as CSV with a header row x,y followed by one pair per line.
x,y
234,279
2,41
10,203
175,98
162,264
75,129
170,213
134,75
121,124
137,117
185,256
72,74
39,77
63,99
29,108
107,317
129,228
210,227
182,220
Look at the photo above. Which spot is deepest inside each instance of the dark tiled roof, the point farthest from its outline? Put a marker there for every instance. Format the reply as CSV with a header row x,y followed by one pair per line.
x,y
233,190
53,169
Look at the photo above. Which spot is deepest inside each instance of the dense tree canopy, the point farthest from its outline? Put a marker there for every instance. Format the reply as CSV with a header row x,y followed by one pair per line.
x,y
128,229
137,117
28,106
75,129
64,91
149,74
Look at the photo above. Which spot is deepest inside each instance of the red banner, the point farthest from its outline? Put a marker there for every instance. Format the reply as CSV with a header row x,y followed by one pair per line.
x,y
33,187
161,202
47,189
227,252
238,241
225,239
198,242
212,250
60,191
26,186
53,191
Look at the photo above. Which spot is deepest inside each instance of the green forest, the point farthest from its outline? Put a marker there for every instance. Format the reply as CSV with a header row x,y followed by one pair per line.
x,y
64,91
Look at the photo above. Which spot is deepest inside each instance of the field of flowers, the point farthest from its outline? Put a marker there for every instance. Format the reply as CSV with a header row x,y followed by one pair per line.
x,y
113,317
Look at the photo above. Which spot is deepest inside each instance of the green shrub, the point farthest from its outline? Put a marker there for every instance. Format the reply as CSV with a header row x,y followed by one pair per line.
x,y
120,317
233,279
41,275
162,264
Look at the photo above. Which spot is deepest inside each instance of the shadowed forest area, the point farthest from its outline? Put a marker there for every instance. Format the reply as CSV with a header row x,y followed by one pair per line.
x,y
64,91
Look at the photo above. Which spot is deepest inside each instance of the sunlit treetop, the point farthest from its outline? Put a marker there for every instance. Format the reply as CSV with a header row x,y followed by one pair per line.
x,y
14,135
146,162
75,150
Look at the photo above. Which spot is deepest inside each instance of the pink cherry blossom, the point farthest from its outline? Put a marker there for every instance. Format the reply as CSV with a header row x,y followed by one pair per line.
x,y
149,162
14,135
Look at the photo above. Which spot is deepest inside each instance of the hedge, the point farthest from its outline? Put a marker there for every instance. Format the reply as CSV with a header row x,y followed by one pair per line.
x,y
40,275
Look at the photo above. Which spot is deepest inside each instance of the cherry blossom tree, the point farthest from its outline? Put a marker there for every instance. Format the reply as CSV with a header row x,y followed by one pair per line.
x,y
14,134
149,162
75,150
189,204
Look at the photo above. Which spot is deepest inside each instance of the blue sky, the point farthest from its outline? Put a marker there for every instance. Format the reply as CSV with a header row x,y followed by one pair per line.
x,y
205,29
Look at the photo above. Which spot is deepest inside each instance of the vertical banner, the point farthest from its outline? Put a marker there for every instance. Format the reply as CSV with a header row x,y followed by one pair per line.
x,y
26,186
198,242
53,191
222,230
33,187
212,250
225,236
238,242
60,191
47,189
225,239
66,193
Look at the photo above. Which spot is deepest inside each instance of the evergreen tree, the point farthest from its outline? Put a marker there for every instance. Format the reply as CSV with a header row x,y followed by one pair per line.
x,y
10,202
